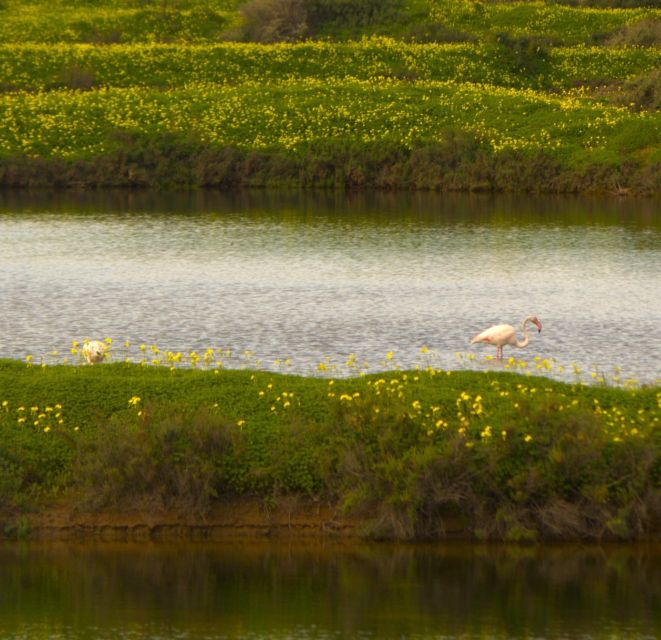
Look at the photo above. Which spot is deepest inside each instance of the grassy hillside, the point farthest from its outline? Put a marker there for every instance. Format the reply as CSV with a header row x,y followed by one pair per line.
x,y
437,94
517,457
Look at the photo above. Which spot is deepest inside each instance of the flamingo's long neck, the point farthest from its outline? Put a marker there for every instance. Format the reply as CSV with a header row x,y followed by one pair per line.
x,y
526,337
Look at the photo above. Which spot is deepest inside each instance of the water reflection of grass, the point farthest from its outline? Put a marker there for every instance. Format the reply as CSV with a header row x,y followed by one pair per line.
x,y
393,591
514,456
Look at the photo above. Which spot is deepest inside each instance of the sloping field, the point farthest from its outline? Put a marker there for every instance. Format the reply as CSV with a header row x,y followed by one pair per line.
x,y
577,89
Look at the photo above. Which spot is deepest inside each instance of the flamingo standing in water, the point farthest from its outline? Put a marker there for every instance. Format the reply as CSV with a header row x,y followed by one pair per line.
x,y
94,351
502,334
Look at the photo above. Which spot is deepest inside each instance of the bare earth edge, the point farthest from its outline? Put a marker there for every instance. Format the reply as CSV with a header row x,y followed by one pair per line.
x,y
240,518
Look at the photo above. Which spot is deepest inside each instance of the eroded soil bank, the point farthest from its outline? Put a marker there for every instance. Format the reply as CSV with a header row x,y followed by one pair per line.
x,y
244,518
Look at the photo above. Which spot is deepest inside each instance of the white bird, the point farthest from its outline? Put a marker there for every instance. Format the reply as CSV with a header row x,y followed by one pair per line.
x,y
502,334
94,351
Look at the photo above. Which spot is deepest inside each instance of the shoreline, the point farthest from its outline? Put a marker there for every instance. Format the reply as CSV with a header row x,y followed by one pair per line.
x,y
248,518
244,519
450,167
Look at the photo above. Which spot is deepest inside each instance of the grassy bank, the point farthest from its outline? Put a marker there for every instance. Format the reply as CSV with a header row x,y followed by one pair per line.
x,y
516,457
437,94
347,133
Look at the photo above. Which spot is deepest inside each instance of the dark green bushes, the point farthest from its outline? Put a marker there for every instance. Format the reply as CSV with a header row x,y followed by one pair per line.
x,y
353,15
526,55
32,469
164,458
171,457
459,163
430,31
275,20
292,20
610,4
76,77
542,473
645,33
644,91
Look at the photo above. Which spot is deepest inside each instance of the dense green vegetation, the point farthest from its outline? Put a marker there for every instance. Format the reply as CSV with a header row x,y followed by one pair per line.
x,y
228,93
517,457
41,67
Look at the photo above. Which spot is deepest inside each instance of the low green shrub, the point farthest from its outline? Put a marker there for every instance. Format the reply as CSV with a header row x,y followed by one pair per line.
x,y
32,468
353,16
270,21
460,164
609,4
430,31
644,33
642,92
525,55
77,77
543,472
157,457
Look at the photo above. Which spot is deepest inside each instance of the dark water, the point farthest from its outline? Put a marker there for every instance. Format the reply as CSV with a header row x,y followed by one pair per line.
x,y
304,591
311,276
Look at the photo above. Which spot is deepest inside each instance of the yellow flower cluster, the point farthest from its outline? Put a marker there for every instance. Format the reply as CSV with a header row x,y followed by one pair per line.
x,y
278,400
44,418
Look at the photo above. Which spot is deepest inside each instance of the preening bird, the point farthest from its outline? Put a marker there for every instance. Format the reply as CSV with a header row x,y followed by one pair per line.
x,y
94,351
502,334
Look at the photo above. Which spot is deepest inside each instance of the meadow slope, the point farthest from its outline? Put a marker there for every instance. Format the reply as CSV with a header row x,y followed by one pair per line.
x,y
442,94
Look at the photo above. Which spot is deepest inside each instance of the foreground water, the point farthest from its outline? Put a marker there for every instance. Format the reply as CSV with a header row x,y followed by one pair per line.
x,y
311,277
281,590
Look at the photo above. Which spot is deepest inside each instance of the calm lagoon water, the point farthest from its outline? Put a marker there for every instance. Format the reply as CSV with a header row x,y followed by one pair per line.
x,y
279,591
312,276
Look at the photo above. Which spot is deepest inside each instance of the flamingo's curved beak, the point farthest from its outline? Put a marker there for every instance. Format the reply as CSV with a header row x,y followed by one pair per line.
x,y
538,324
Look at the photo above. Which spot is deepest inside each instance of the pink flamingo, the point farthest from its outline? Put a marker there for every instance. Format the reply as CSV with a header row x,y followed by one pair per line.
x,y
502,334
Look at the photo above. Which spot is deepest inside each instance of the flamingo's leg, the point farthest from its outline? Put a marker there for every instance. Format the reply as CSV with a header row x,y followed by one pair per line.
x,y
499,353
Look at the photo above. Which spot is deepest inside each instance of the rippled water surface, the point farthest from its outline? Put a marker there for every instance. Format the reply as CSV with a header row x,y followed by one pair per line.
x,y
309,276
281,590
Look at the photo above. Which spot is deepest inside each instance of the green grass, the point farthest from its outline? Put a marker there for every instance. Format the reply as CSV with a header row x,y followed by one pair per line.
x,y
116,21
517,456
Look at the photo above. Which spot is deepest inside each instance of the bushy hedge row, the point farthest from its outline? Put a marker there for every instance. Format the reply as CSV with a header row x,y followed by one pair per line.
x,y
458,164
